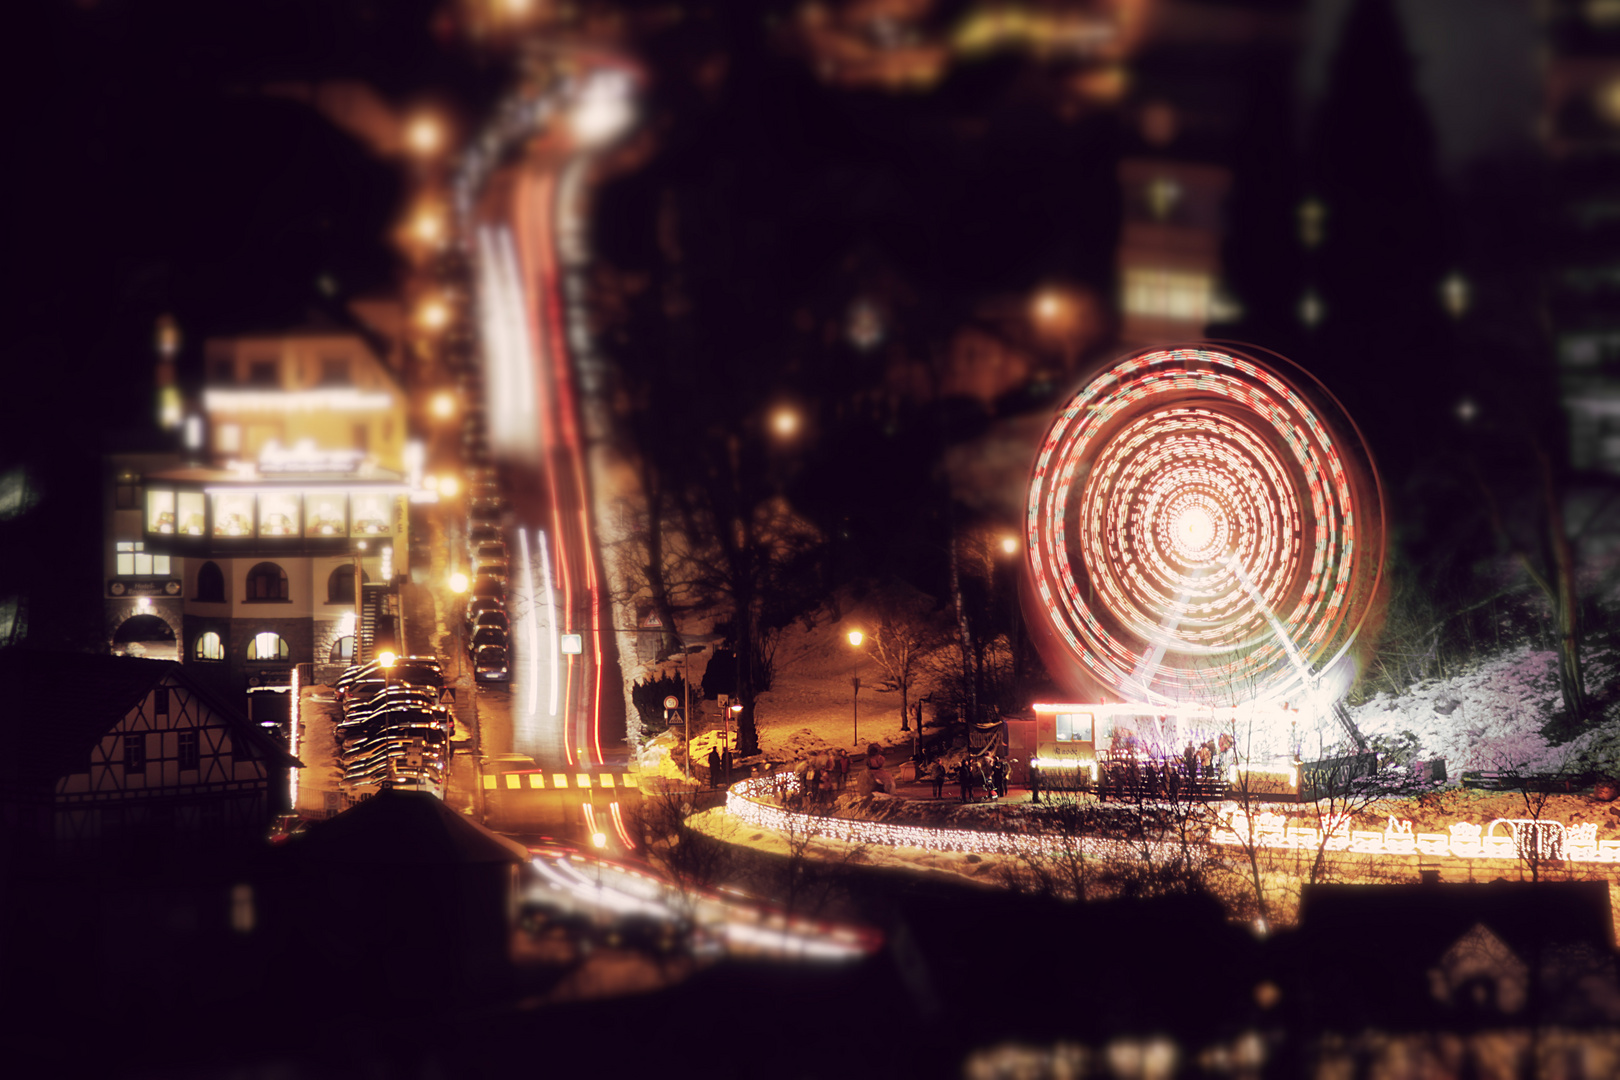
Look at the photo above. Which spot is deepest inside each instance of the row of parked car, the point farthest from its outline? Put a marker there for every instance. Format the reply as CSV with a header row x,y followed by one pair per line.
x,y
489,628
394,730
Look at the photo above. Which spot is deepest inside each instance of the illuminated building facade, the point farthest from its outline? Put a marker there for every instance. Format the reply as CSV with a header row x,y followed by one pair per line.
x,y
1581,132
240,558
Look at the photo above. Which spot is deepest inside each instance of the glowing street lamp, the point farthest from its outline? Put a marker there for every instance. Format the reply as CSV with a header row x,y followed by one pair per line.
x,y
1009,545
785,422
428,226
855,639
443,405
385,660
458,583
435,314
424,135
449,486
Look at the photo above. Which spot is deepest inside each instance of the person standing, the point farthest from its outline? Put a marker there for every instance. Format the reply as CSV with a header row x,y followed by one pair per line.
x,y
714,767
937,775
843,768
1034,781
1003,775
964,777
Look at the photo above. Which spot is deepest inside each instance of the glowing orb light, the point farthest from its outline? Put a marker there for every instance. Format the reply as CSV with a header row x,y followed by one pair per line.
x,y
1202,525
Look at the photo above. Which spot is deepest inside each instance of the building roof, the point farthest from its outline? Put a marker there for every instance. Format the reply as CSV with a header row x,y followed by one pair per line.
x,y
400,828
58,706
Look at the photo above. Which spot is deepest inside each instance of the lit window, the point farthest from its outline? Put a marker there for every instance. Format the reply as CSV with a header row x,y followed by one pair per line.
x,y
133,561
1074,727
228,439
1169,294
267,645
209,647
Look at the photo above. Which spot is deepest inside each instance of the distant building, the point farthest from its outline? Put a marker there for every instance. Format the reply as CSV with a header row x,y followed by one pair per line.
x,y
238,557
1581,132
108,756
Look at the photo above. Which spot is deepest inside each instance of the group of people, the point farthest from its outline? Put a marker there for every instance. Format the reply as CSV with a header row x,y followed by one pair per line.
x,y
719,766
823,772
987,771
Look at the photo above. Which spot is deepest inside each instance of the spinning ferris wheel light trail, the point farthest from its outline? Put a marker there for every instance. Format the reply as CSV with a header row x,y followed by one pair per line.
x,y
1203,526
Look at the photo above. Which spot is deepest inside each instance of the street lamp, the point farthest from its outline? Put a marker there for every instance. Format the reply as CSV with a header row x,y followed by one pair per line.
x,y
424,135
855,639
785,422
444,405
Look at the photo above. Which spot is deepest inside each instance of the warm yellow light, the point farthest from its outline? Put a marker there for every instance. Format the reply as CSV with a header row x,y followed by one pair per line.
x,y
428,226
856,637
448,486
736,708
1048,305
458,583
599,839
424,135
1009,544
435,315
785,421
385,660
444,405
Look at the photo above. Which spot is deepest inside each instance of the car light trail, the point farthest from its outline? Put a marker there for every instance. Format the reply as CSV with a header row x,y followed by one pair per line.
x,y
533,689
555,648
618,827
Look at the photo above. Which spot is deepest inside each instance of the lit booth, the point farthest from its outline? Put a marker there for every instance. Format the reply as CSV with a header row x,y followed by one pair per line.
x,y
1115,746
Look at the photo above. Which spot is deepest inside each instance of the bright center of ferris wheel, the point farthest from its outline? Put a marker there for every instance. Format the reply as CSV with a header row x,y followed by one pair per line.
x,y
1195,530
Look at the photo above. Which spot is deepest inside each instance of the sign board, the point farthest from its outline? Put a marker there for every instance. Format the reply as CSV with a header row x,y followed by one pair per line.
x,y
573,644
672,702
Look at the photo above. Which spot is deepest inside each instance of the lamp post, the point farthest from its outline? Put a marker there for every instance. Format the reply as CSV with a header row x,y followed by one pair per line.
x,y
458,589
1009,547
855,639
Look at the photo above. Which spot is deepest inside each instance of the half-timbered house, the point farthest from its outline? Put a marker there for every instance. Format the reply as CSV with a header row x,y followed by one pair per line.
x,y
115,758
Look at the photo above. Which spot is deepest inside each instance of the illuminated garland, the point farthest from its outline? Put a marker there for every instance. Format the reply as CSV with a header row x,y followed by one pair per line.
x,y
1196,531
747,800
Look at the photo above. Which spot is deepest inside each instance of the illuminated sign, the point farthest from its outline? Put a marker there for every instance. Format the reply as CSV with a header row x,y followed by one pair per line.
x,y
573,644
305,458
324,399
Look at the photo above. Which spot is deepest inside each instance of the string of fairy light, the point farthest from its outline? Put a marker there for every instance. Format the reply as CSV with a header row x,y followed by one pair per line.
x,y
1194,530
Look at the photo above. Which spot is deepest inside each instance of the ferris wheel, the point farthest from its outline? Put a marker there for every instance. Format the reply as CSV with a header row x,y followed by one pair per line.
x,y
1202,526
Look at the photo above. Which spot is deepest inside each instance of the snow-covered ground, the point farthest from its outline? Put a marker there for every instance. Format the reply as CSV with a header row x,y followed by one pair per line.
x,y
1489,716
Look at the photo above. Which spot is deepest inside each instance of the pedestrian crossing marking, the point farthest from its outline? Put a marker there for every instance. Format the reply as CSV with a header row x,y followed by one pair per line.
x,y
536,780
582,779
514,781
605,779
559,780
489,783
630,781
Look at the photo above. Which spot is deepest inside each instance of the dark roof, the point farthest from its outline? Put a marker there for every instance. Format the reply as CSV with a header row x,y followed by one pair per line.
x,y
58,705
404,828
1362,953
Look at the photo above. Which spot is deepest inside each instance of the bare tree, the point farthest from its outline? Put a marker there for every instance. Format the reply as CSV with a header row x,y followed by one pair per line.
x,y
906,637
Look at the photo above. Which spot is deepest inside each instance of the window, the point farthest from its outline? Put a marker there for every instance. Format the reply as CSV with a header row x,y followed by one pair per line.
x,y
266,581
228,438
189,756
133,561
335,372
222,372
262,373
340,586
1074,727
343,650
1168,294
128,492
267,645
210,583
160,701
209,647
134,753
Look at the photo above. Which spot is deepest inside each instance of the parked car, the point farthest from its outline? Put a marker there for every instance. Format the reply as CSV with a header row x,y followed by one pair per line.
x,y
482,534
489,617
490,663
488,635
490,557
489,587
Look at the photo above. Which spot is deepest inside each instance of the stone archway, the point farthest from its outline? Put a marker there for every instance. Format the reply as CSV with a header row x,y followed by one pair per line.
x,y
147,636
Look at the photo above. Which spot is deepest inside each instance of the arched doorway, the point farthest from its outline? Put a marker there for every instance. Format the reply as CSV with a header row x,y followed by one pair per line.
x,y
145,636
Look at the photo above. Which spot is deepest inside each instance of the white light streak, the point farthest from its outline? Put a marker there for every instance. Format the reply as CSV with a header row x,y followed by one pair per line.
x,y
551,620
534,630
